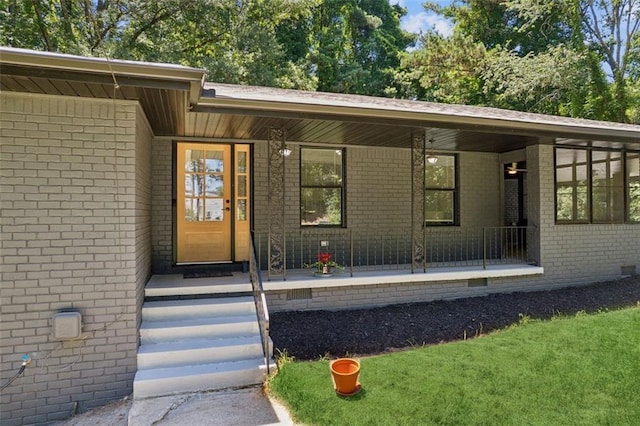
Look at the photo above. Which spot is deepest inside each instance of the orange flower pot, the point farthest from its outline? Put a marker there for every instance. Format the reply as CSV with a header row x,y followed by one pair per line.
x,y
344,372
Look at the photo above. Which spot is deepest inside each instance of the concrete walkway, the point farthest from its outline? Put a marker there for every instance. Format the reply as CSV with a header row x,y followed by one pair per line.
x,y
242,407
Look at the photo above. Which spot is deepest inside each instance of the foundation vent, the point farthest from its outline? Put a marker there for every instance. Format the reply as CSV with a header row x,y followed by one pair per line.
x,y
299,294
629,270
477,282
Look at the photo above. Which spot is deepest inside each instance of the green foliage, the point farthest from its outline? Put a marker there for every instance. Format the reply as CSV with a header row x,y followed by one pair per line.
x,y
236,41
541,56
634,201
579,370
350,47
611,29
634,109
533,55
444,70
333,202
548,82
356,45
500,23
77,27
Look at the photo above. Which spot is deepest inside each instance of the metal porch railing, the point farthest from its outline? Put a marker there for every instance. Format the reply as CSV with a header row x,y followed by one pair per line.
x,y
261,304
392,249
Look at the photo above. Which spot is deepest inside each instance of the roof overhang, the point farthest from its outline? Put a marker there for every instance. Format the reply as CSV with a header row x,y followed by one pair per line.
x,y
291,104
102,70
179,104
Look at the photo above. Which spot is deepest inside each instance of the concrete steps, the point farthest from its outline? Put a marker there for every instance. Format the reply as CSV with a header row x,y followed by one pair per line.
x,y
192,345
176,284
196,378
198,351
197,308
193,328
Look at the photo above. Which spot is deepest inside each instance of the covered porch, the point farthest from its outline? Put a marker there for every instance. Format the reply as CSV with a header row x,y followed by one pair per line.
x,y
424,200
409,192
379,269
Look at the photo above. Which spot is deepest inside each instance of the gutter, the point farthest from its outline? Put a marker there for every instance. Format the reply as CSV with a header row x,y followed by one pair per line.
x,y
63,62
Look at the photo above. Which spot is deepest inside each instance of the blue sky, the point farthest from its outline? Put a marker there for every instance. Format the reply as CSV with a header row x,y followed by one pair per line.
x,y
419,20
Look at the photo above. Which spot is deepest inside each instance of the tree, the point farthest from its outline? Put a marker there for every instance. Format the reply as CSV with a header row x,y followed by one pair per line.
x,y
445,70
540,55
490,61
236,41
497,23
77,27
551,82
356,45
458,70
609,28
350,47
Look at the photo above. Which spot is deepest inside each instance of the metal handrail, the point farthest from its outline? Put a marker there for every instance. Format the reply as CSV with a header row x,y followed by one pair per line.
x,y
260,300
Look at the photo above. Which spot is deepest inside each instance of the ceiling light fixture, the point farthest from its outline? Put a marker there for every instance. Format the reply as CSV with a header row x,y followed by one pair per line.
x,y
285,152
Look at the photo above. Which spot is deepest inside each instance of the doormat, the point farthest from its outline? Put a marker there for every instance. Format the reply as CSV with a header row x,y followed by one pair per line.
x,y
206,273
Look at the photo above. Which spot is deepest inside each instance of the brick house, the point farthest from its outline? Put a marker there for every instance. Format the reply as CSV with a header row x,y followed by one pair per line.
x,y
119,176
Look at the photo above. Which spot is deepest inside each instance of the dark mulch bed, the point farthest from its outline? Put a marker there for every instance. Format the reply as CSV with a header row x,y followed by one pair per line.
x,y
312,334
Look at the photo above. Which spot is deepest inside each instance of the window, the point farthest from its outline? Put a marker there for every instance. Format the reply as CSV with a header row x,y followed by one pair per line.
x,y
322,186
607,187
591,186
633,186
572,185
440,198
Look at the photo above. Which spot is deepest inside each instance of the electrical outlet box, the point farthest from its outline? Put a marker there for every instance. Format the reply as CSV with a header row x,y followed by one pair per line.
x,y
67,325
324,243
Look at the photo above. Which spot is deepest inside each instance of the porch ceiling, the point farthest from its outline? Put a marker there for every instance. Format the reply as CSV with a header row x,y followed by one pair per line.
x,y
245,112
346,132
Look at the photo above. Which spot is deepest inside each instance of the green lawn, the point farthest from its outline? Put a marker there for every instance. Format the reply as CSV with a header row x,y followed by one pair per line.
x,y
583,370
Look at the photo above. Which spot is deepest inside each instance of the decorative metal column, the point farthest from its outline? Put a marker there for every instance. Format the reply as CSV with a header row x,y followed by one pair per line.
x,y
418,150
276,184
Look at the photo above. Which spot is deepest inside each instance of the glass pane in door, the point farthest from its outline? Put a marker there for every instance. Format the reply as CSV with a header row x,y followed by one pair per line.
x,y
193,210
214,210
215,186
193,161
215,161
